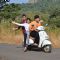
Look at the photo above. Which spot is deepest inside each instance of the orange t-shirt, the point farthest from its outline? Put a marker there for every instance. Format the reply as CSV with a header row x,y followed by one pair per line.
x,y
33,25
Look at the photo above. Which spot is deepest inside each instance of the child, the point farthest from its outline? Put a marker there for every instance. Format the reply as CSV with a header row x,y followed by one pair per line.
x,y
33,25
26,26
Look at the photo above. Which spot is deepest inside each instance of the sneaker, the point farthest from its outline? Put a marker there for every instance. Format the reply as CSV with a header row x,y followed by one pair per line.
x,y
25,49
35,44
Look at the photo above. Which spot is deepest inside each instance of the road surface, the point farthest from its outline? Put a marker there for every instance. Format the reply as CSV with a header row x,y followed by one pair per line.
x,y
11,52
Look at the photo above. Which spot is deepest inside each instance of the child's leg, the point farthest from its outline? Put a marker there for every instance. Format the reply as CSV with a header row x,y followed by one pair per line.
x,y
27,42
25,36
27,39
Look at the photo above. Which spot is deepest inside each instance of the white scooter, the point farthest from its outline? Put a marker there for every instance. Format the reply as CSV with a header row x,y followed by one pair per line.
x,y
44,42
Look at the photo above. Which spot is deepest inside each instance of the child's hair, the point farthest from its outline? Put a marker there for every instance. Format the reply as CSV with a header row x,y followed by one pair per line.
x,y
36,16
29,19
23,15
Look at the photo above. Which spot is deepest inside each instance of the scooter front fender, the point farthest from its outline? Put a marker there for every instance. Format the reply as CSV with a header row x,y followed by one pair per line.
x,y
46,42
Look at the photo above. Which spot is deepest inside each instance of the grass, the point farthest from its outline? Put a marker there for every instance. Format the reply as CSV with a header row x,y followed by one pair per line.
x,y
54,35
7,35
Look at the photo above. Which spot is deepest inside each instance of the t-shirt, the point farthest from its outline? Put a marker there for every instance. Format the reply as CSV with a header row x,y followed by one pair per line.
x,y
23,28
33,25
23,21
26,25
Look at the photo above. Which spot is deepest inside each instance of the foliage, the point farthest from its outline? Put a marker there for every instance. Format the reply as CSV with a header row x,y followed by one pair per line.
x,y
10,11
49,10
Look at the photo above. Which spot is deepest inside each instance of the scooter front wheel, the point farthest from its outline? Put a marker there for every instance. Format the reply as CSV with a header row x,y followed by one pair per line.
x,y
47,48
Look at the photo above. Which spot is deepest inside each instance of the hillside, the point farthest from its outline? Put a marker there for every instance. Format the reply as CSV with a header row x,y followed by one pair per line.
x,y
32,1
49,11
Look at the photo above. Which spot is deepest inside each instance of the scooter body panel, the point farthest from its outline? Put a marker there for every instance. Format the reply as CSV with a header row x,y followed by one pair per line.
x,y
44,39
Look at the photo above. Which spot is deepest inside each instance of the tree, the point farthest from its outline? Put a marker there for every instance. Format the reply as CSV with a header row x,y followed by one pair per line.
x,y
3,2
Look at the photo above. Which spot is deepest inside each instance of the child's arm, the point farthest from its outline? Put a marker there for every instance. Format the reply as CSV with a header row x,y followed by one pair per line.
x,y
18,24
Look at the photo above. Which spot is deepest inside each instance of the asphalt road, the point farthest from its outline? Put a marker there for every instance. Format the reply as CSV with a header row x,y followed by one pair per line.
x,y
11,52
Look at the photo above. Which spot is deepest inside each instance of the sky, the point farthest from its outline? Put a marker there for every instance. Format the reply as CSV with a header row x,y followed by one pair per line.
x,y
18,1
